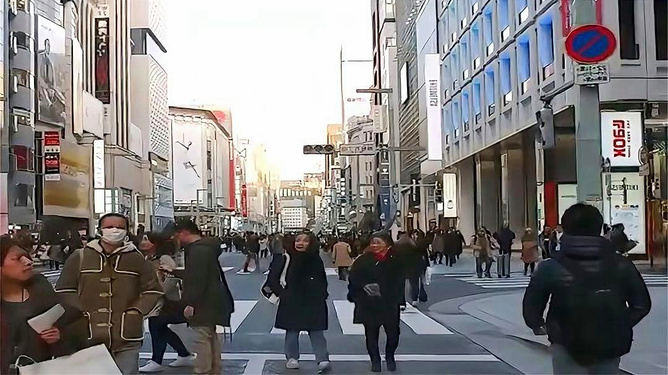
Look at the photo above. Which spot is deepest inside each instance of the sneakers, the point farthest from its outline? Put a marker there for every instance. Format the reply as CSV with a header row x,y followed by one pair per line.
x,y
323,367
151,367
414,303
292,364
188,361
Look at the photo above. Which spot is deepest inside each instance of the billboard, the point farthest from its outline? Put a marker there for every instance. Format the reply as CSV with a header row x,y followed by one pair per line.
x,y
52,71
432,79
189,166
70,196
102,83
621,138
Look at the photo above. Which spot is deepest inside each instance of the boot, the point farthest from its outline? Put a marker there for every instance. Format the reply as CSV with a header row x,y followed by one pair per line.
x,y
391,362
375,364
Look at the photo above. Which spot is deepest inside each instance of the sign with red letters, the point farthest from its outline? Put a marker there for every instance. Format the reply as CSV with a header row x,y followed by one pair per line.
x,y
621,138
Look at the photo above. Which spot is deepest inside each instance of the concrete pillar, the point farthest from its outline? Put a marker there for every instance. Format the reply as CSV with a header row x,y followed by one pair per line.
x,y
467,197
513,190
487,183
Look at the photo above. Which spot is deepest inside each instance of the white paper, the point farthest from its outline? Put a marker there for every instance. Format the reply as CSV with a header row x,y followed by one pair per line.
x,y
44,321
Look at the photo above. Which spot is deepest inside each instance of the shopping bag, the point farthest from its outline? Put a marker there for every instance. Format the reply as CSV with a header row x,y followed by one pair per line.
x,y
93,360
427,275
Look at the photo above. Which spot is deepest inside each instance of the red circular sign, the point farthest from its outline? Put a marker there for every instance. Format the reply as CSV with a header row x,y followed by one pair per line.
x,y
590,43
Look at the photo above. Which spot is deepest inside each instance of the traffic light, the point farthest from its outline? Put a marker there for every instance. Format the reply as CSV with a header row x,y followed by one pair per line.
x,y
318,149
545,119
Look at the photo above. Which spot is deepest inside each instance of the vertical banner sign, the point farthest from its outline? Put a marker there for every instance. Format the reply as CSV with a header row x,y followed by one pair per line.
x,y
621,138
52,156
449,195
102,83
244,201
432,78
98,164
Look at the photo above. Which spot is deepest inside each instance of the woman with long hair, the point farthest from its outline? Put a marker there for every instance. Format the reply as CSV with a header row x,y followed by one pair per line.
x,y
299,280
376,287
25,295
159,251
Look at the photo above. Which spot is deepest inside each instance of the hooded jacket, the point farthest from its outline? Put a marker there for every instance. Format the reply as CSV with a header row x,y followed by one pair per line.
x,y
551,277
106,287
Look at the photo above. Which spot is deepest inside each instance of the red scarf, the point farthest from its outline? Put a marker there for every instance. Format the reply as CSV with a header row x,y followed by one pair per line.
x,y
381,255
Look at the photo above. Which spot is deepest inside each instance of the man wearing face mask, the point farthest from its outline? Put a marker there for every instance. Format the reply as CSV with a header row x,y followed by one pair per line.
x,y
115,287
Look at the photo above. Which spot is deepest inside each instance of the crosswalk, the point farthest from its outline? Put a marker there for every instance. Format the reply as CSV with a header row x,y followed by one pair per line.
x,y
521,281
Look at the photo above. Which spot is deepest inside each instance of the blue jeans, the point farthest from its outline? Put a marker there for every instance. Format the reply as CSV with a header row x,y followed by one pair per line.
x,y
318,342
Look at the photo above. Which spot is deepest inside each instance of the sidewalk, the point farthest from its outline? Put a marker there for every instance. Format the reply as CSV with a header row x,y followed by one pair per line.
x,y
499,322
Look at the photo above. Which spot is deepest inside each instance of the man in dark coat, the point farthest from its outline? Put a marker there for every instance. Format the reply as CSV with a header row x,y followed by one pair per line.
x,y
205,293
596,297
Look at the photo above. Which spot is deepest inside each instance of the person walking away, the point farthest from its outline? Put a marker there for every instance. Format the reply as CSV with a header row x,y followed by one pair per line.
x,y
460,244
25,295
504,237
376,287
415,262
595,297
620,241
277,248
529,250
159,251
555,239
480,246
303,298
264,246
206,295
238,242
252,252
544,241
341,258
111,282
451,240
438,246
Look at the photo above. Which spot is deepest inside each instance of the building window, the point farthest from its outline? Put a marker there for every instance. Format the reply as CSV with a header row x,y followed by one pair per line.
x,y
475,92
23,5
522,9
465,110
487,30
490,98
661,29
524,62
455,68
464,49
390,41
21,78
24,195
545,35
21,40
24,158
475,7
505,73
455,117
475,45
628,48
504,24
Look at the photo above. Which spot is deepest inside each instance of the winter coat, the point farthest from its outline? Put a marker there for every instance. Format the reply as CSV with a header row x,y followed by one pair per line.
x,y
550,280
480,246
106,287
303,301
438,243
620,241
204,285
170,307
529,251
505,239
341,255
414,260
388,274
18,338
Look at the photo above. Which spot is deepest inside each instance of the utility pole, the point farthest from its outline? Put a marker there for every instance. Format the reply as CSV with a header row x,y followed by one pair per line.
x,y
587,123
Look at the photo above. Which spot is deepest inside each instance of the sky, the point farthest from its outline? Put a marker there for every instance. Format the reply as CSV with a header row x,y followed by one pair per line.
x,y
274,63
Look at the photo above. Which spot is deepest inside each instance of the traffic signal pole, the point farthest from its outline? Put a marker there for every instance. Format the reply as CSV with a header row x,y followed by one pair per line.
x,y
587,123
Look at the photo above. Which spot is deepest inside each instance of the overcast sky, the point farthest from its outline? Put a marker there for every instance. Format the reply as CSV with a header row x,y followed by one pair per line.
x,y
274,63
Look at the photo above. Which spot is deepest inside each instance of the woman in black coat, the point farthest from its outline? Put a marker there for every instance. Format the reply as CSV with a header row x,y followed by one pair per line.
x,y
303,298
376,286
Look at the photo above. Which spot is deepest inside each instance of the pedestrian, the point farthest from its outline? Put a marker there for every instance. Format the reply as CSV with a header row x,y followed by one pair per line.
x,y
206,295
620,241
24,295
505,238
555,239
277,248
450,247
481,252
238,242
595,297
438,246
299,280
341,258
415,261
460,245
252,252
529,250
544,241
264,246
115,287
376,286
159,252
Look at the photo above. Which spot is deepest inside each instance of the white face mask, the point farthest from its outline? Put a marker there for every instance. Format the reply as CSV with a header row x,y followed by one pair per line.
x,y
113,236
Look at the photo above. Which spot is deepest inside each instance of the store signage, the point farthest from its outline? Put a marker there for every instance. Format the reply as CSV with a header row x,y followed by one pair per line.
x,y
450,195
244,200
52,156
432,78
378,117
102,82
98,164
621,138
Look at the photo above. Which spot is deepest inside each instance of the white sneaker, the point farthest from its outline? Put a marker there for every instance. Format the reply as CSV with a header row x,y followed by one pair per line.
x,y
323,366
151,367
188,361
292,364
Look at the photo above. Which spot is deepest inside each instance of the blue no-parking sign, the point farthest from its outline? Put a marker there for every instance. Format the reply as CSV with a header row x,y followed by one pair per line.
x,y
590,43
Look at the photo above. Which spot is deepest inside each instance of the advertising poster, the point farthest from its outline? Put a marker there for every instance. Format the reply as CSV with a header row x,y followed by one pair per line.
x,y
52,156
70,195
621,138
102,90
52,71
450,195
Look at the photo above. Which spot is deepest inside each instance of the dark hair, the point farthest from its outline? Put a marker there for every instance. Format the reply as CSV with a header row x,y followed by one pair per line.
x,y
114,214
313,243
163,245
582,219
6,243
187,225
385,236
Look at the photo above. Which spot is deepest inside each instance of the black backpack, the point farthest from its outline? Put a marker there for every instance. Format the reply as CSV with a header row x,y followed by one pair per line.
x,y
594,318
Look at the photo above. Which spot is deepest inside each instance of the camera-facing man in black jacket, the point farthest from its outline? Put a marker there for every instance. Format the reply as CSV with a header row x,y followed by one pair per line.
x,y
596,298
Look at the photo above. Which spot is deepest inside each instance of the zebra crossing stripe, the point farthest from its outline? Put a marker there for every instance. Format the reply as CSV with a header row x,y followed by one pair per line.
x,y
422,324
241,311
523,282
344,312
331,272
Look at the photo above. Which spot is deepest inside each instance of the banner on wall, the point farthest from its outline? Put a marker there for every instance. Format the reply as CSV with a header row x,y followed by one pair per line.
x,y
621,138
244,200
52,68
450,195
102,82
432,78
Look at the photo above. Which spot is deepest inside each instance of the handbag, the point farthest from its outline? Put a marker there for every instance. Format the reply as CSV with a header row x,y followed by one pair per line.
x,y
173,288
266,290
93,360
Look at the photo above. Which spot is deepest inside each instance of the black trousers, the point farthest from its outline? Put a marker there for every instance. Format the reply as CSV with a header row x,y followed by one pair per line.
x,y
161,335
372,334
418,293
450,260
527,265
343,273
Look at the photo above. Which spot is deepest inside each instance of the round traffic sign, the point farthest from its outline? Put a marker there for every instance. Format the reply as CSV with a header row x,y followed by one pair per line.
x,y
590,43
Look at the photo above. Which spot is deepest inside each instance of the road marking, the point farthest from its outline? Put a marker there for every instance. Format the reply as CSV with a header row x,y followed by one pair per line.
x,y
225,269
346,357
421,324
344,312
241,311
279,331
331,272
523,281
